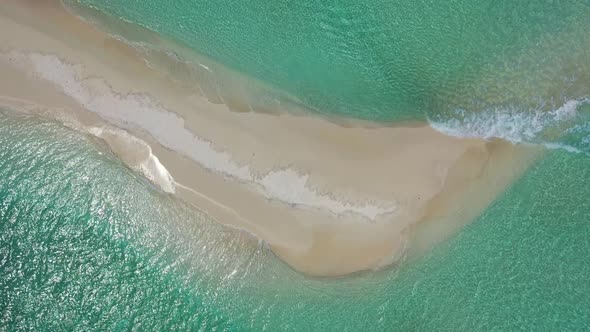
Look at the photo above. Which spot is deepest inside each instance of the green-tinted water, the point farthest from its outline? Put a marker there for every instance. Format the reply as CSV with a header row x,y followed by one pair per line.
x,y
388,59
88,244
83,239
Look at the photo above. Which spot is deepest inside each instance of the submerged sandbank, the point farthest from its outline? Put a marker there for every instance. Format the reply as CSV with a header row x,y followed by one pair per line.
x,y
329,199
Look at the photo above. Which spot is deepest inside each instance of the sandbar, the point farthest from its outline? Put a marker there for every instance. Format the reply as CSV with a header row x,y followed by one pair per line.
x,y
329,197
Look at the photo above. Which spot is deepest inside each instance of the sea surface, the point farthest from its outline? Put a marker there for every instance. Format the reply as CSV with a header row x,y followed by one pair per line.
x,y
88,244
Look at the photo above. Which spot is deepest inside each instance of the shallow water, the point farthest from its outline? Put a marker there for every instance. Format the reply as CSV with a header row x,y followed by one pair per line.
x,y
387,60
87,243
488,69
112,252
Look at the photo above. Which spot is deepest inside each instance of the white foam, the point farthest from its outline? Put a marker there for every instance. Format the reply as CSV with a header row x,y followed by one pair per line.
x,y
289,186
562,147
513,125
139,111
135,110
150,166
205,67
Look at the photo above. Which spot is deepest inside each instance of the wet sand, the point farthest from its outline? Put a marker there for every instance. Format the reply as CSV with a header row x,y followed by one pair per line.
x,y
330,199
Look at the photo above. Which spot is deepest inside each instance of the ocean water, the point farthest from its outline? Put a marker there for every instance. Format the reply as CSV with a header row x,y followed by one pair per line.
x,y
486,69
387,59
88,244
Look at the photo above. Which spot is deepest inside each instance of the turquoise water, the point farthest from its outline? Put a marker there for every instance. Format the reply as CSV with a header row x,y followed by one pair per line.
x,y
387,59
88,244
111,252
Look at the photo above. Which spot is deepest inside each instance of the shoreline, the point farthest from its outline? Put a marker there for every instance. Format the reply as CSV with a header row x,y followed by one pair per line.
x,y
328,199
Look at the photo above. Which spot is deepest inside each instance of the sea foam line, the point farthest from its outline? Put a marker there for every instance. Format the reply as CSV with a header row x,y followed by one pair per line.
x,y
148,164
515,125
139,111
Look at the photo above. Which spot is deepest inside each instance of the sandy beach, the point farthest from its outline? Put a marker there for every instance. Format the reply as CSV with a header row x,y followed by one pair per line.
x,y
329,197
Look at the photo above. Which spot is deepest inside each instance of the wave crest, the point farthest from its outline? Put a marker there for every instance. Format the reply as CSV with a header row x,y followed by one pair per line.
x,y
566,127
